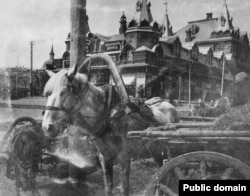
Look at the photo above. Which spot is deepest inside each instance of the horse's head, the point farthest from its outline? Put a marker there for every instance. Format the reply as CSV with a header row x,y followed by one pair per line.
x,y
70,95
64,90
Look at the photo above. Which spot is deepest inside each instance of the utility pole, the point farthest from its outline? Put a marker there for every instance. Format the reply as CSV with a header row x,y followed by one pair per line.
x,y
31,67
223,74
189,79
78,25
189,86
180,86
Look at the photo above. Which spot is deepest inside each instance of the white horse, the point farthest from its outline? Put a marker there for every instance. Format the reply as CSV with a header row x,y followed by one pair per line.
x,y
73,101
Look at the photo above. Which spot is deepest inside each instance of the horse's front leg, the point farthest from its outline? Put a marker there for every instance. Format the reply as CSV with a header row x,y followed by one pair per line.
x,y
107,168
124,162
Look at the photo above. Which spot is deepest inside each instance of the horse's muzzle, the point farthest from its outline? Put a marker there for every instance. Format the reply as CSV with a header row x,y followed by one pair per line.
x,y
50,130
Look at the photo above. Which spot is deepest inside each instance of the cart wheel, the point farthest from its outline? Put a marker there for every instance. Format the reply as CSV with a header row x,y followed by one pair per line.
x,y
15,126
200,165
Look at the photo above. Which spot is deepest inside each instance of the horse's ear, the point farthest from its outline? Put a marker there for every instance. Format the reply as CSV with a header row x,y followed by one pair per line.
x,y
72,72
50,73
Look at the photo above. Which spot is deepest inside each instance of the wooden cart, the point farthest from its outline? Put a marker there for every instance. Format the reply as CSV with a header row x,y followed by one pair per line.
x,y
197,153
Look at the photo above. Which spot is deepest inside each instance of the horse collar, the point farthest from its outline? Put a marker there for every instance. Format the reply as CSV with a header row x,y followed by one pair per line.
x,y
84,92
80,97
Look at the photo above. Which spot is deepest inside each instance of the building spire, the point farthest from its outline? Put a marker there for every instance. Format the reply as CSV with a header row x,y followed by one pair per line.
x,y
123,23
52,54
166,27
225,21
143,12
166,4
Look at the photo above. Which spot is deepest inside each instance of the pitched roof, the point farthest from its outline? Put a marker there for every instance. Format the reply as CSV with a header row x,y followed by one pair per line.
x,y
169,39
55,63
143,48
218,54
229,57
188,45
204,30
225,19
204,49
243,35
154,48
143,12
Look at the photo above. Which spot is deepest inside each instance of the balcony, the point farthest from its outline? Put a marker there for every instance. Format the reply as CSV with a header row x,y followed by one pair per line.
x,y
143,57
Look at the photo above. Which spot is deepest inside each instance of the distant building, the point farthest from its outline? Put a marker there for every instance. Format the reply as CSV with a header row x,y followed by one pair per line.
x,y
14,82
155,61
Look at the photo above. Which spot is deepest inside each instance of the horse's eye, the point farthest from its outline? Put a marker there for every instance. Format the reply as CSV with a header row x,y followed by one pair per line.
x,y
61,93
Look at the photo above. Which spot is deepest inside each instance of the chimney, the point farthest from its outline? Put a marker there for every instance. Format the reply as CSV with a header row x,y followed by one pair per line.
x,y
209,15
188,35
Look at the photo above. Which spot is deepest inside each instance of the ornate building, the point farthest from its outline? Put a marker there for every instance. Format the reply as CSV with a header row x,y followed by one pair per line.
x,y
153,60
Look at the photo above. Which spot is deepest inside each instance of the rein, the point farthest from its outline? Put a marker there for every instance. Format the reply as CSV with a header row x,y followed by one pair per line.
x,y
74,114
52,108
60,108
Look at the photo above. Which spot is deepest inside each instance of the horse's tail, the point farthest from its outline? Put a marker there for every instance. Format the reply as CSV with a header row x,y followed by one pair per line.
x,y
12,126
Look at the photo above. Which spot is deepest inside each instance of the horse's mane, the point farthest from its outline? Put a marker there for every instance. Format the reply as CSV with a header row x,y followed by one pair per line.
x,y
60,81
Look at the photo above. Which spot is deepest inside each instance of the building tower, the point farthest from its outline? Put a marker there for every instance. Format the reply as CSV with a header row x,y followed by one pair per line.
x,y
66,54
225,20
123,24
67,43
49,64
166,26
142,30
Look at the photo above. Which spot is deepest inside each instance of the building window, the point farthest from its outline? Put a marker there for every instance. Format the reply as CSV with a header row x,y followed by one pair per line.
x,y
224,47
223,21
194,54
66,63
98,45
159,52
177,49
194,29
210,58
99,78
144,38
221,47
129,55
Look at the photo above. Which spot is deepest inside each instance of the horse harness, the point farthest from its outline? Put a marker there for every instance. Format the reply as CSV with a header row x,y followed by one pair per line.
x,y
74,113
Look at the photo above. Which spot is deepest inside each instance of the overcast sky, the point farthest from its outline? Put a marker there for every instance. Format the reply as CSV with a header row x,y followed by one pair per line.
x,y
43,20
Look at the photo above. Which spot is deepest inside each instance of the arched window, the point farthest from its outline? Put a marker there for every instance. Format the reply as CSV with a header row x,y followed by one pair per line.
x,y
129,54
194,29
98,45
177,48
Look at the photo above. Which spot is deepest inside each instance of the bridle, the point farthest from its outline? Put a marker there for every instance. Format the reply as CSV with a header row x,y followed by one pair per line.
x,y
66,93
74,112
